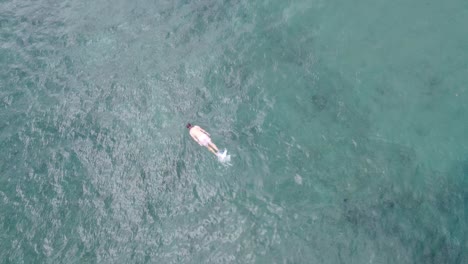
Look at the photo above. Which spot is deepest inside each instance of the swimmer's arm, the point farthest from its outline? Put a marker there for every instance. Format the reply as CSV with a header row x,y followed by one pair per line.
x,y
202,130
196,139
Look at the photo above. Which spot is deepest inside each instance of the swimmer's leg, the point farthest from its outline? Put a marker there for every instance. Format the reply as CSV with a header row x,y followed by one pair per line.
x,y
213,146
212,150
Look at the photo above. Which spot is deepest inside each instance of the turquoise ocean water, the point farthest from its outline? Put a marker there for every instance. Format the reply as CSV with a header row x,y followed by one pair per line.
x,y
346,121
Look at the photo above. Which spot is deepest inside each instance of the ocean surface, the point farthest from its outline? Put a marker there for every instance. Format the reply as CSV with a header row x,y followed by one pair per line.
x,y
347,122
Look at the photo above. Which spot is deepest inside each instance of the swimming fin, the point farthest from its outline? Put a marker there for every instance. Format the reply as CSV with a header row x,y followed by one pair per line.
x,y
222,155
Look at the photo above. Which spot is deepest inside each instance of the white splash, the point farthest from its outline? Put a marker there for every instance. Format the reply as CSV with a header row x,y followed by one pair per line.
x,y
223,157
298,179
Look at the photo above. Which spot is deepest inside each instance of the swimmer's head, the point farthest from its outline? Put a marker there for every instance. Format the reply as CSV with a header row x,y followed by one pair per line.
x,y
189,126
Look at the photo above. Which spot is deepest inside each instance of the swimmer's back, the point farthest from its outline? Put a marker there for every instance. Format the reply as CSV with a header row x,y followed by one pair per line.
x,y
196,131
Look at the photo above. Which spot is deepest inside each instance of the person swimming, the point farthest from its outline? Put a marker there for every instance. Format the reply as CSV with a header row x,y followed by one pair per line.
x,y
203,138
